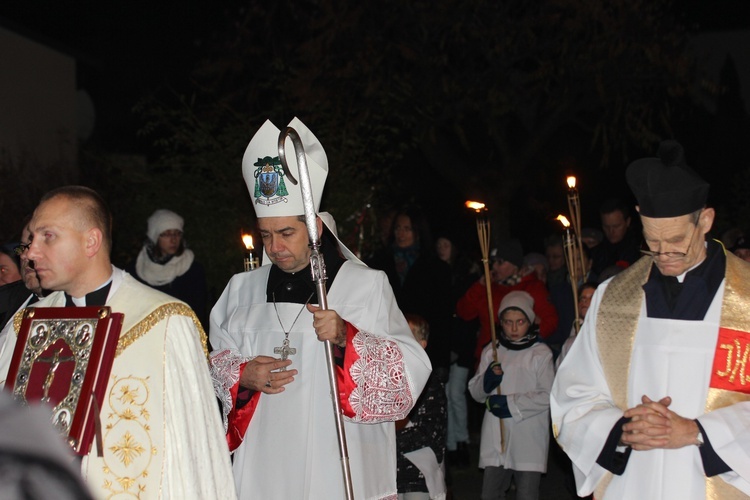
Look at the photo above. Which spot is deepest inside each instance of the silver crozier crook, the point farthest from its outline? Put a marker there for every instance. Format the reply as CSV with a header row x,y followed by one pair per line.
x,y
318,268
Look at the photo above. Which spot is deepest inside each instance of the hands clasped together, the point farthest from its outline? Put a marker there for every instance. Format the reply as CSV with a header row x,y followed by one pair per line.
x,y
269,375
653,425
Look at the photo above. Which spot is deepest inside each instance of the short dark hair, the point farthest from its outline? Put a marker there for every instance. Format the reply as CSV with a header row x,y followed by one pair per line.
x,y
586,286
614,205
91,204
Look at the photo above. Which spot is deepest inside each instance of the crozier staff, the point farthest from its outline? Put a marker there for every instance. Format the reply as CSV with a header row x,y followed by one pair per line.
x,y
269,364
646,404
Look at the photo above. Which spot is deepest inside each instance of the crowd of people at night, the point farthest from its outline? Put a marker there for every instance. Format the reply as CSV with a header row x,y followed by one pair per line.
x,y
630,364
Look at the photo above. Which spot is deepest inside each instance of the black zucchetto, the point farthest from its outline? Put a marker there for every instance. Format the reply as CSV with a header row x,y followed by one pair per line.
x,y
666,186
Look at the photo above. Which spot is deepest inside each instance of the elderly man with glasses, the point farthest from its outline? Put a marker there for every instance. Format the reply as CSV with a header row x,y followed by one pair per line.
x,y
652,400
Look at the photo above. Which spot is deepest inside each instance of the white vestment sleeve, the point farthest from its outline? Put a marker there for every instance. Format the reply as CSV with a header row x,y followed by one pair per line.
x,y
196,453
729,431
583,411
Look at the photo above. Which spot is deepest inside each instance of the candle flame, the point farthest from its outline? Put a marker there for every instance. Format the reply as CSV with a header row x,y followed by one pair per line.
x,y
571,180
248,241
475,205
563,220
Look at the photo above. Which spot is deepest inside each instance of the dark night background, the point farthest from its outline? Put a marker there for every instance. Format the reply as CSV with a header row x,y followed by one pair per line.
x,y
416,102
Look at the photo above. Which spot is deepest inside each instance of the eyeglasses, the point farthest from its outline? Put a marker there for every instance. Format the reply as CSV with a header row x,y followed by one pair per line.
x,y
21,248
672,255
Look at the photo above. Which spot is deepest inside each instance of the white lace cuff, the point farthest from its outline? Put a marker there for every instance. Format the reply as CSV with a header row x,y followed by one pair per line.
x,y
382,392
225,373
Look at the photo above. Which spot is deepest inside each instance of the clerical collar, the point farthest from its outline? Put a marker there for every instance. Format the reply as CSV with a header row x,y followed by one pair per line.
x,y
666,296
681,277
296,287
96,298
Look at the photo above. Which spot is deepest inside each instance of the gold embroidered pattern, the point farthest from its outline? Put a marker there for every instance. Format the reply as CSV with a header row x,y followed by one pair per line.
x,y
130,448
736,362
143,326
156,316
616,324
127,449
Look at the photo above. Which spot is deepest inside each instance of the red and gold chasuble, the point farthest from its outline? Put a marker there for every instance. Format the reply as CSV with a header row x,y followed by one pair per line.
x,y
616,327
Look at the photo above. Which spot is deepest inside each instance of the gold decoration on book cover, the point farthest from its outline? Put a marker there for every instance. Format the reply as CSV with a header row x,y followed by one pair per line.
x,y
63,358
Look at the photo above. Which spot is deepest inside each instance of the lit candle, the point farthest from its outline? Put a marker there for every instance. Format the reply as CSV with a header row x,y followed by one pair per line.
x,y
250,262
475,205
571,250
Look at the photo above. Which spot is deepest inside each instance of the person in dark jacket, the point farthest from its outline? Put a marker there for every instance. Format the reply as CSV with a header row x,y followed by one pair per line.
x,y
421,282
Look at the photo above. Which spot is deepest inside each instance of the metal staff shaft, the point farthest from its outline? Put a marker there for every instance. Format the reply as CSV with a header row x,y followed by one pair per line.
x,y
318,269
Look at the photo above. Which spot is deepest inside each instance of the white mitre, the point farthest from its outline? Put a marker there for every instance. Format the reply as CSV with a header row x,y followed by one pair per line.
x,y
272,192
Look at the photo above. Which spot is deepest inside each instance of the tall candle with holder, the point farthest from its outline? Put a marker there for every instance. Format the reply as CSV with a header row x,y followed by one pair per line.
x,y
250,262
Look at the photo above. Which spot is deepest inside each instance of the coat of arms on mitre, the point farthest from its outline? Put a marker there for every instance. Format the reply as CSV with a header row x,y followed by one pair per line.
x,y
269,181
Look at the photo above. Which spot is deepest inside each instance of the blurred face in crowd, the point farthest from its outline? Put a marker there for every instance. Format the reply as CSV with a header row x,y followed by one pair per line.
x,y
615,225
555,257
9,272
584,301
286,242
30,279
169,241
444,248
403,232
502,270
515,324
540,272
680,235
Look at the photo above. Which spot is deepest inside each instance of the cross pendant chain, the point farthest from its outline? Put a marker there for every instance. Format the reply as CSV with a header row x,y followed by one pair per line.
x,y
284,351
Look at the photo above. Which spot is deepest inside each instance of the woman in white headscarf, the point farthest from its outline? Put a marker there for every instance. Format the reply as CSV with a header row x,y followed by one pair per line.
x,y
165,263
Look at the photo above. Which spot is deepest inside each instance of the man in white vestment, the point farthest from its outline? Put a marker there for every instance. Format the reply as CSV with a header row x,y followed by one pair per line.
x,y
160,426
269,364
653,399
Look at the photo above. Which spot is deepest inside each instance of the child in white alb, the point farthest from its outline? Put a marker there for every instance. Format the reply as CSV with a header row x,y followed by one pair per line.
x,y
524,373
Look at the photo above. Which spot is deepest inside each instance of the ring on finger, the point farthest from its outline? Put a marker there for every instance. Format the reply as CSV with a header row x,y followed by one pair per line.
x,y
268,383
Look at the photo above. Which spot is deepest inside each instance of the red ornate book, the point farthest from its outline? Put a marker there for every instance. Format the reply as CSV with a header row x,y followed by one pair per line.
x,y
63,357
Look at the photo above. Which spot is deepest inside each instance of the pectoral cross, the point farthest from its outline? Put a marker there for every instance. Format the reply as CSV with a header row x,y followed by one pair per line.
x,y
54,364
284,351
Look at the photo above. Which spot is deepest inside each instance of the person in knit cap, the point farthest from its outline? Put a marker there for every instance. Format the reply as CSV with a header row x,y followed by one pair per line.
x,y
269,364
507,274
166,264
524,373
652,400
